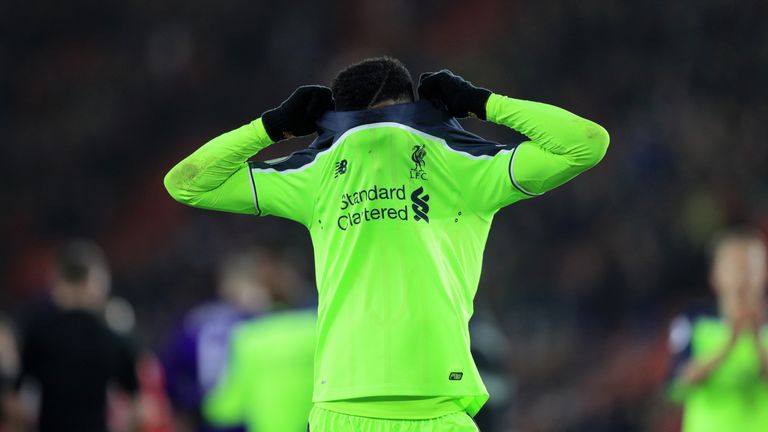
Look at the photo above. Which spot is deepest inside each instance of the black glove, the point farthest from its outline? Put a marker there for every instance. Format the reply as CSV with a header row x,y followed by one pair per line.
x,y
297,115
453,93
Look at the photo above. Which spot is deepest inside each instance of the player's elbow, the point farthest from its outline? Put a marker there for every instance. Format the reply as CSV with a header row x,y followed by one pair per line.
x,y
595,144
176,186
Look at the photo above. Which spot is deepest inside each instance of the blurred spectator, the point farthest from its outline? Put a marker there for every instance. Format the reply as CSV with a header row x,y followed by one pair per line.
x,y
70,352
154,406
268,384
248,284
720,370
9,369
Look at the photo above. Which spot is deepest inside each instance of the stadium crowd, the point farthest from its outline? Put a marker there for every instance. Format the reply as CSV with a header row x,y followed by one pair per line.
x,y
579,287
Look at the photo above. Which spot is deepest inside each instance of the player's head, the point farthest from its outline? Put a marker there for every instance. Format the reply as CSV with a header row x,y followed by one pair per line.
x,y
81,277
255,280
739,271
372,82
245,278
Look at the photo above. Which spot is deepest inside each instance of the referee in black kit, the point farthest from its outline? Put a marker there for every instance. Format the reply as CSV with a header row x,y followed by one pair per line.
x,y
71,353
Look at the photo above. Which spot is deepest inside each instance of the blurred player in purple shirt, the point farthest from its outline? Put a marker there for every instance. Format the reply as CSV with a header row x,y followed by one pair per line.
x,y
248,284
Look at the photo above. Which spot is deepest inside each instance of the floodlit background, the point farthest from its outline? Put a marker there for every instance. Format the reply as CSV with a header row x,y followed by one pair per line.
x,y
98,99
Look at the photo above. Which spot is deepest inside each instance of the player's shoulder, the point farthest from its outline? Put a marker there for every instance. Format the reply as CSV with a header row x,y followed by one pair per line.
x,y
461,141
421,119
298,160
276,319
210,312
682,326
263,329
696,316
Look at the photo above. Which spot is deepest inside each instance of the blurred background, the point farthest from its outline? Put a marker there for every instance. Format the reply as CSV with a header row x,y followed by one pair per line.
x,y
98,99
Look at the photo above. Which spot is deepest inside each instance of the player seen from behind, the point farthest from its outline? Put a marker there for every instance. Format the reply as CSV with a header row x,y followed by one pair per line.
x,y
398,200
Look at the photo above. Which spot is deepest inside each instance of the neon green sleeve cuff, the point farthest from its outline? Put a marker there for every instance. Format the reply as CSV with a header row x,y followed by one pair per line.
x,y
260,134
493,107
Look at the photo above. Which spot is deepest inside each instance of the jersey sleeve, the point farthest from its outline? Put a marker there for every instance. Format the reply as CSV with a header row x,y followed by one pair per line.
x,y
287,187
561,144
217,176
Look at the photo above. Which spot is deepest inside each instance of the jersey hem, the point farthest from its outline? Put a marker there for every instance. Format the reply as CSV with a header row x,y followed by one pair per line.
x,y
473,401
329,406
368,391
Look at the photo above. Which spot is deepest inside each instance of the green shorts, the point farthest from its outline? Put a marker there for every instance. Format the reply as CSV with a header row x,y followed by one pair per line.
x,y
322,420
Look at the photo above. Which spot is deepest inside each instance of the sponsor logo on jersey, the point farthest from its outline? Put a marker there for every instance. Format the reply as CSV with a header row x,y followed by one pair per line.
x,y
382,203
340,168
420,206
455,376
418,155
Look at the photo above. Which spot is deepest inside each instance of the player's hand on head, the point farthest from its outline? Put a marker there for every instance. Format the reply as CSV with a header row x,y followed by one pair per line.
x,y
297,115
453,93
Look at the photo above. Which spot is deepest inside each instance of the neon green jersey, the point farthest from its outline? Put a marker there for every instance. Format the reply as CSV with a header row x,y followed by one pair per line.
x,y
735,396
268,381
398,202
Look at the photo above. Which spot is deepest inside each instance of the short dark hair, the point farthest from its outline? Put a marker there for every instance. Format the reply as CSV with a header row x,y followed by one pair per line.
x,y
76,259
363,84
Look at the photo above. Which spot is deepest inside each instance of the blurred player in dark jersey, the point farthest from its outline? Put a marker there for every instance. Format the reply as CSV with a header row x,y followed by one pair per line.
x,y
720,364
248,283
71,353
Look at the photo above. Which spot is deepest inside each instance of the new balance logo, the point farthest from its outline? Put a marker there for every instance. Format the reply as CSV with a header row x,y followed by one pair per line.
x,y
341,168
420,206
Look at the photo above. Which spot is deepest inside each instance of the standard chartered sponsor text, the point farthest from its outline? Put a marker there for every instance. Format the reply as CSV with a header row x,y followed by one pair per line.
x,y
389,209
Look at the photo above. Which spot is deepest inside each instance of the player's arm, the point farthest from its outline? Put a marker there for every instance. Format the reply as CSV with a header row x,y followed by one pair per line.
x,y
763,353
687,372
758,318
695,371
562,144
125,376
216,176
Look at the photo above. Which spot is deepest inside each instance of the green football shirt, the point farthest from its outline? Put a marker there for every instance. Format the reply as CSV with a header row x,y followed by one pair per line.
x,y
735,396
268,381
398,202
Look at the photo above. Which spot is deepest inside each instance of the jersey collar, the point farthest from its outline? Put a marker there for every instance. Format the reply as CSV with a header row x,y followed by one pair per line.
x,y
419,115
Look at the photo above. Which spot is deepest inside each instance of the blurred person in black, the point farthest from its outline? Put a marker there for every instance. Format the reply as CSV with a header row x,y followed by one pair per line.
x,y
70,351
